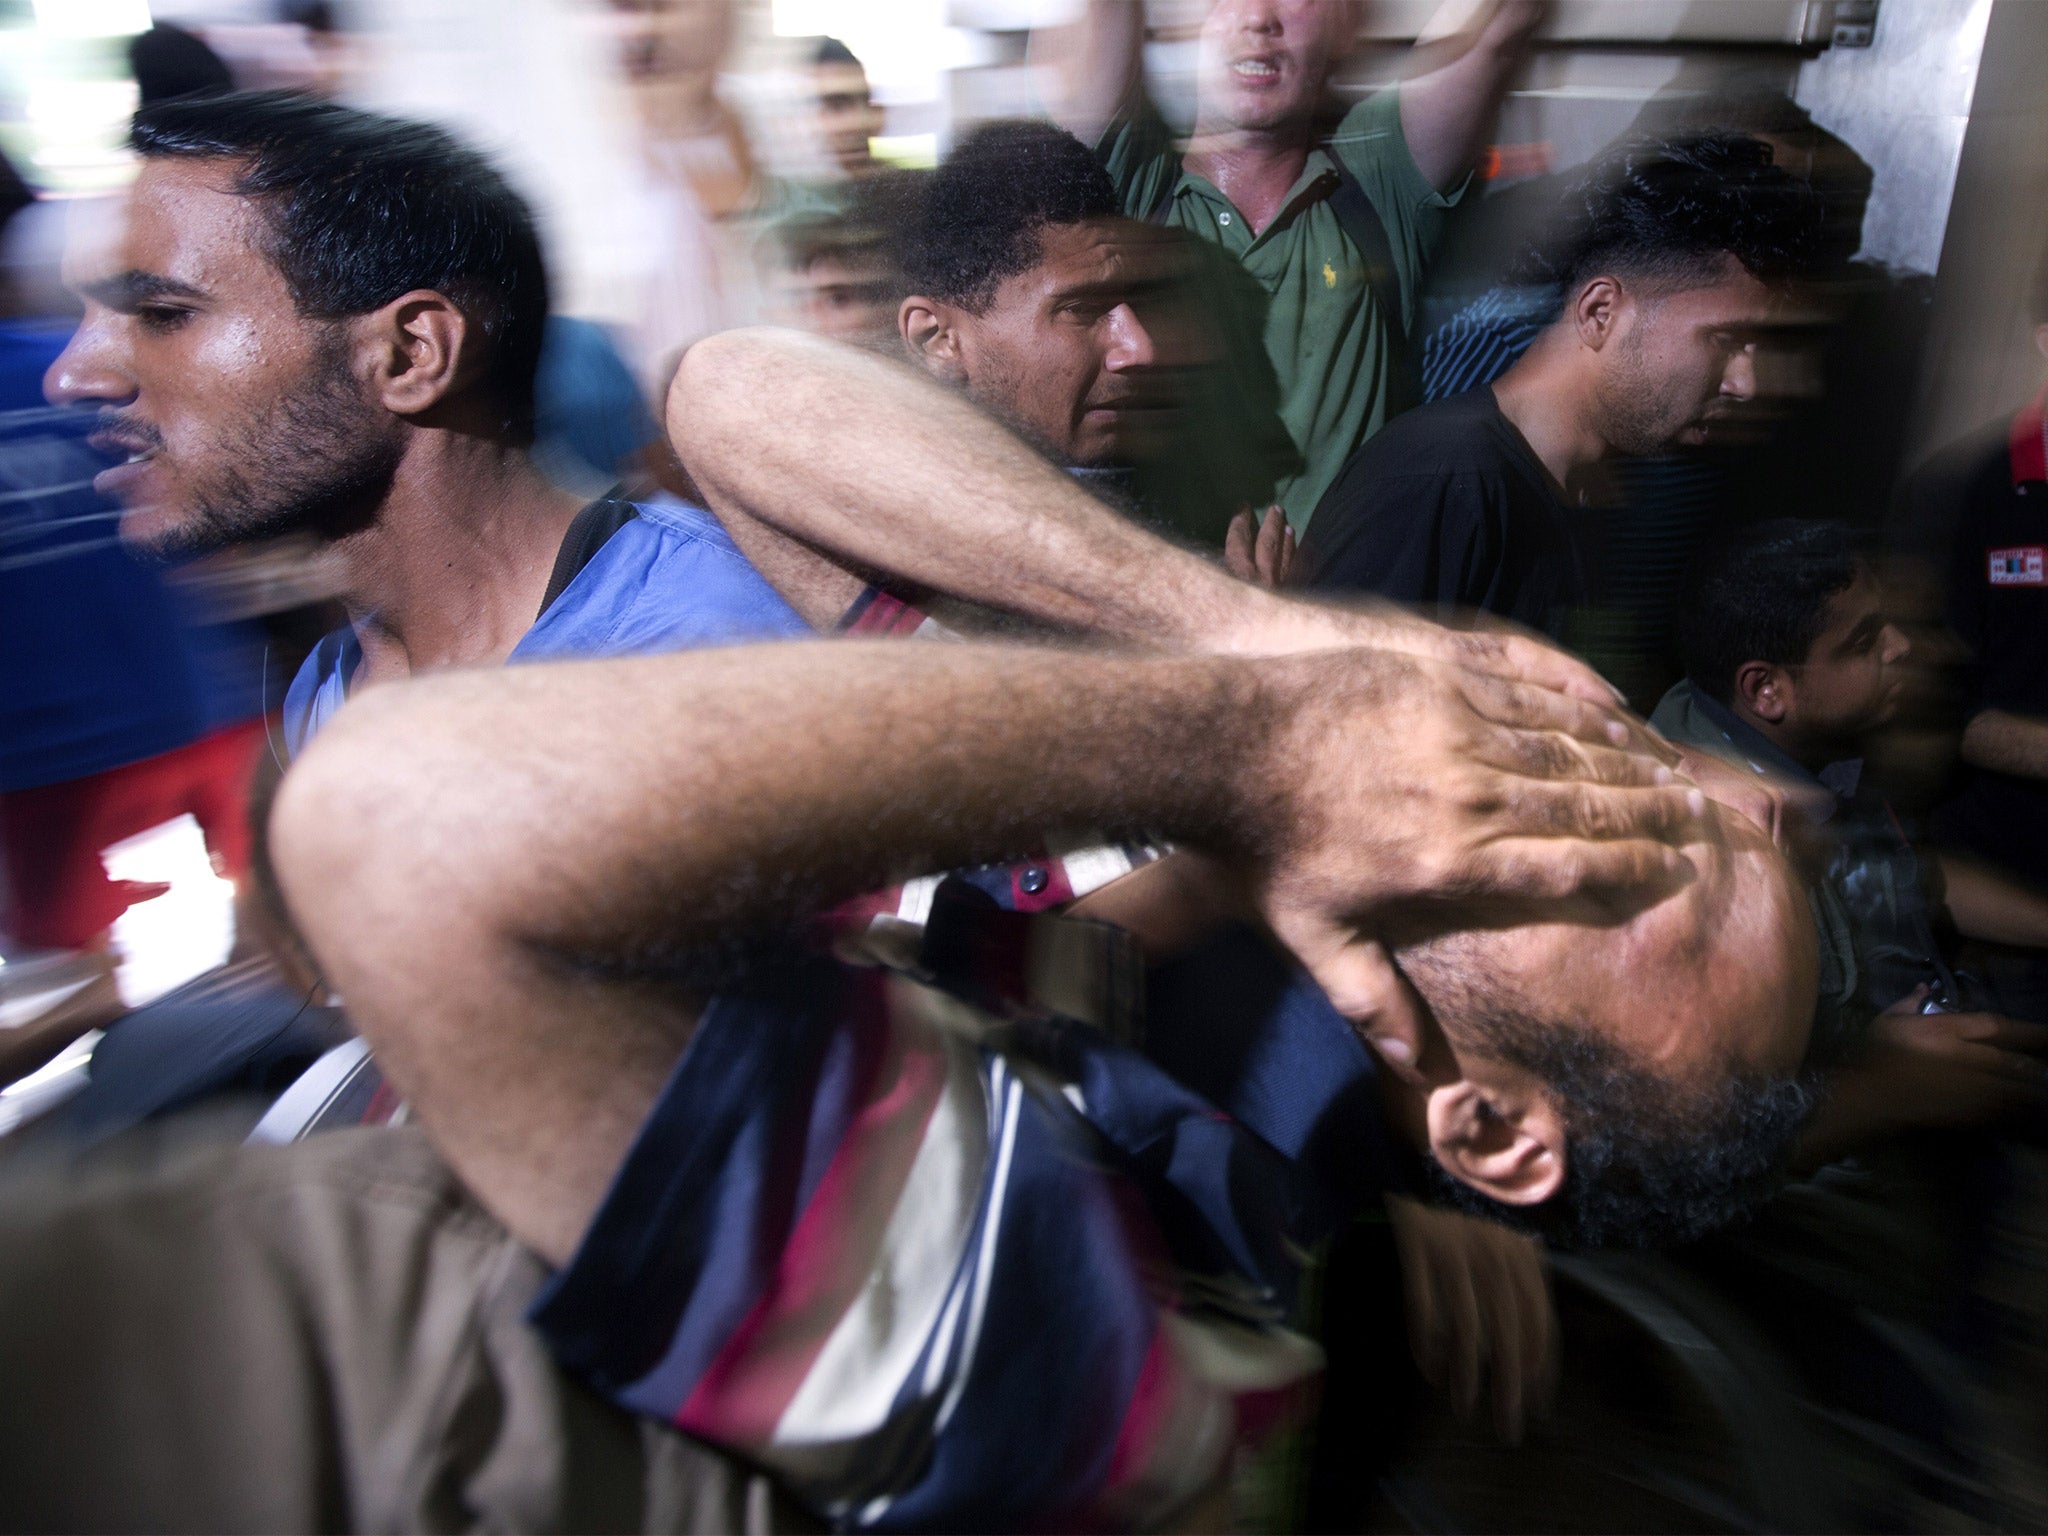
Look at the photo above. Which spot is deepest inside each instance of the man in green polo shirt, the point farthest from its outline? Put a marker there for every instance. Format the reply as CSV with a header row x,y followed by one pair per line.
x,y
1264,179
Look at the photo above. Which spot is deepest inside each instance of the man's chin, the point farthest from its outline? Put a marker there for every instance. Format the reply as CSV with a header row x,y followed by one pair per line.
x,y
166,534
1730,431
1259,111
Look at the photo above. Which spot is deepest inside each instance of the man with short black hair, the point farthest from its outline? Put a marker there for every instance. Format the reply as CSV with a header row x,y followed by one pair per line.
x,y
1792,665
847,116
1026,287
304,318
1674,261
1025,290
310,319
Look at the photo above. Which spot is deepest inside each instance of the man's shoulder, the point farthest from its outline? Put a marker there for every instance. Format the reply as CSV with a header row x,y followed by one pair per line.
x,y
1678,718
1144,162
1691,717
1371,143
1461,435
669,578
1952,497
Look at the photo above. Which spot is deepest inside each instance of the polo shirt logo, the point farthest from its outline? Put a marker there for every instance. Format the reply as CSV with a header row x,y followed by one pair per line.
x,y
2023,566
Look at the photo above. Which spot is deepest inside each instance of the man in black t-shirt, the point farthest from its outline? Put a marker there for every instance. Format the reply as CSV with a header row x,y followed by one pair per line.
x,y
1985,501
1675,258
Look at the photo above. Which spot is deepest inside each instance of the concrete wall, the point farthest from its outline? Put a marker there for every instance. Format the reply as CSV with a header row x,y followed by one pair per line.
x,y
1904,105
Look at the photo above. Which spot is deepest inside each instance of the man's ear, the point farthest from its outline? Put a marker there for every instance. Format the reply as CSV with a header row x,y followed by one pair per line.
x,y
1503,1138
931,332
425,350
1596,311
1765,690
2041,339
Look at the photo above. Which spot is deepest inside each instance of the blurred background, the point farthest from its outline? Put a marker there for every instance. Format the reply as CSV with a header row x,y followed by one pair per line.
x,y
1768,1384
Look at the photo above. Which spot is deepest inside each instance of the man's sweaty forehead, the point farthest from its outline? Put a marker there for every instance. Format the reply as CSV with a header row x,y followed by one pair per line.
x,y
1115,262
95,240
176,230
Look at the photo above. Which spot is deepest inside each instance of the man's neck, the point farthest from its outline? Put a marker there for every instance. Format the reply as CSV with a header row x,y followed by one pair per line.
x,y
452,569
1255,169
1809,755
1547,400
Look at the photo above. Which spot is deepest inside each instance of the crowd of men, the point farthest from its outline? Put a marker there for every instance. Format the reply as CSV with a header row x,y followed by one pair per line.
x,y
874,1011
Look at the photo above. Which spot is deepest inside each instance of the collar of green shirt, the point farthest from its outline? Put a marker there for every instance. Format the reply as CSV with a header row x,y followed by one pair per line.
x,y
1318,179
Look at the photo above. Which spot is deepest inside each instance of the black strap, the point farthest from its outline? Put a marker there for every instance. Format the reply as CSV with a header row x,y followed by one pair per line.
x,y
588,533
1362,223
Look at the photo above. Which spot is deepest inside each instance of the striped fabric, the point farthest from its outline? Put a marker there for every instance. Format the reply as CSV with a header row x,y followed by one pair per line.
x,y
944,1259
1481,341
1062,872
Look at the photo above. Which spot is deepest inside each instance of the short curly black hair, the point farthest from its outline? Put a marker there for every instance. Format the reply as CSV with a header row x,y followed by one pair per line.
x,y
1762,594
1672,209
983,211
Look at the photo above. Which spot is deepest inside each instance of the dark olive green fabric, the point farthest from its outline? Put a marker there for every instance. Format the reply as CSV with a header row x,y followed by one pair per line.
x,y
1327,348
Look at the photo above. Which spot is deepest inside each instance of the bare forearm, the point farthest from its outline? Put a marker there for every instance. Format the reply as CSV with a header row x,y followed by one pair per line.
x,y
878,467
632,813
1984,904
818,587
1094,66
512,877
2005,742
1448,113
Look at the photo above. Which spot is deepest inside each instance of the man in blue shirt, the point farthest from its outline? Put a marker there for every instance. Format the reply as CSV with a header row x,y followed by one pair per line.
x,y
309,319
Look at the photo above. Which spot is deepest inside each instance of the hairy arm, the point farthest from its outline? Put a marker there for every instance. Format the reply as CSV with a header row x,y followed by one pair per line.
x,y
1447,114
1092,68
2004,742
505,873
876,467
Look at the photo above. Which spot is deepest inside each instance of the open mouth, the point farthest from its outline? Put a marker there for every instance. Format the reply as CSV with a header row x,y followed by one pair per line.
x,y
130,448
122,479
1255,70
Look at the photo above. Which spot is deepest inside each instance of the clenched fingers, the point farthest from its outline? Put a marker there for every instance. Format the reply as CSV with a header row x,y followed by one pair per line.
x,y
1239,547
1275,548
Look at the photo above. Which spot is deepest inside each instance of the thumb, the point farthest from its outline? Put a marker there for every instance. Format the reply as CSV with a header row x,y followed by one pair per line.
x,y
1240,543
1360,979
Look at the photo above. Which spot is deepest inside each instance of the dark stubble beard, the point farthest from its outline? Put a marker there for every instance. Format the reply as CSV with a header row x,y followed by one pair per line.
x,y
320,460
1634,418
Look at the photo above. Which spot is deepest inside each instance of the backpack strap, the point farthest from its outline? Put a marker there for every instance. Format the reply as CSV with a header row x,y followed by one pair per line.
x,y
588,533
1361,222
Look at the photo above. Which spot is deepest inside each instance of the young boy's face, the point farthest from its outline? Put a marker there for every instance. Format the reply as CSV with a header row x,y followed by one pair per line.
x,y
1852,680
